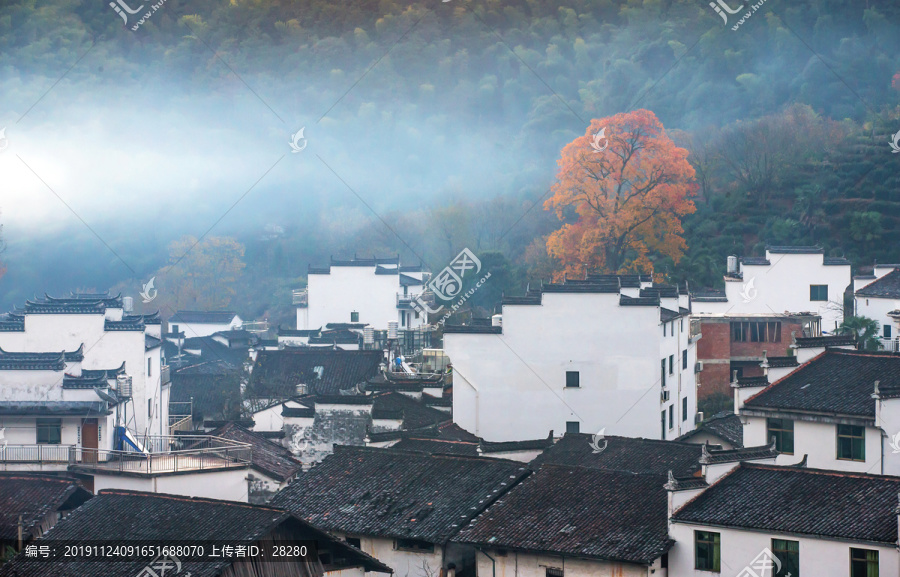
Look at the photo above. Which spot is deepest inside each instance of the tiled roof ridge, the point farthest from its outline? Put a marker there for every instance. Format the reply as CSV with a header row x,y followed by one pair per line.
x,y
622,472
644,439
256,434
185,499
822,472
793,373
31,476
415,453
713,456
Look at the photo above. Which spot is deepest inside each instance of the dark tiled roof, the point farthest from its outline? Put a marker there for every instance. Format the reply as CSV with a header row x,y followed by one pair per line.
x,y
276,374
84,382
835,382
75,356
334,326
214,396
385,492
826,341
709,296
297,412
725,425
211,317
627,301
788,361
507,446
580,287
660,291
53,408
374,261
462,329
267,457
151,342
625,280
441,446
801,501
755,261
118,515
666,315
282,332
758,381
67,307
836,261
212,350
624,454
619,516
795,249
336,337
532,298
713,456
34,496
12,362
310,269
406,280
126,324
887,286
415,414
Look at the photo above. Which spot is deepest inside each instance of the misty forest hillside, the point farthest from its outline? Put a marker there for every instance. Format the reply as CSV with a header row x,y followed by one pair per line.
x,y
788,121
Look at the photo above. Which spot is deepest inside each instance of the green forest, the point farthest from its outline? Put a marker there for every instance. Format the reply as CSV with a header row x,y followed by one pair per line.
x,y
788,121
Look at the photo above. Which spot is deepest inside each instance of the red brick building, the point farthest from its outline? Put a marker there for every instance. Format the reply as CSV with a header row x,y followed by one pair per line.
x,y
738,343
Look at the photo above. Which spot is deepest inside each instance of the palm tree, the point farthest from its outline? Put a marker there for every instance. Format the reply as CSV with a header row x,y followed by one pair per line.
x,y
864,329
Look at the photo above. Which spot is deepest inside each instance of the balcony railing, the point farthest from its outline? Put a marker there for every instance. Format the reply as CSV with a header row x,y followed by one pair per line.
x,y
301,297
166,454
891,345
164,375
38,453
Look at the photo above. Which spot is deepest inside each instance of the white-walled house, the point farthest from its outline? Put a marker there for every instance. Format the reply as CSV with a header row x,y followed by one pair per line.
x,y
203,323
608,352
789,279
372,291
878,295
401,507
751,519
829,412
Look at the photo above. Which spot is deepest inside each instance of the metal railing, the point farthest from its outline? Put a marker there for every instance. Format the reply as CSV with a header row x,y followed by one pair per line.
x,y
168,454
182,424
37,453
301,296
891,344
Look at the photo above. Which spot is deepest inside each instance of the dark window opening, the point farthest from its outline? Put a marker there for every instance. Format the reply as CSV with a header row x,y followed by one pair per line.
x,y
783,431
355,541
788,552
887,331
851,443
573,427
49,431
554,572
684,360
671,364
415,545
863,563
818,292
662,370
684,409
756,332
671,416
707,551
573,379
354,317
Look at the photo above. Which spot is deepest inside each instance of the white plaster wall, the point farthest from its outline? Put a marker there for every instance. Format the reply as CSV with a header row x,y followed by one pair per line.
x,y
229,485
819,441
512,386
404,563
332,297
783,286
192,330
528,565
353,572
878,308
818,557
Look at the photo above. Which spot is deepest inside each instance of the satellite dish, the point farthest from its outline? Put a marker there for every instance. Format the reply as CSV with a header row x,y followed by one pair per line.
x,y
106,396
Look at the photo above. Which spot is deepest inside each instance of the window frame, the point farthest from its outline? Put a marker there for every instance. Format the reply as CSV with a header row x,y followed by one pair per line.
x,y
51,425
780,434
782,553
671,416
573,427
577,379
684,409
671,364
865,560
354,316
814,293
414,545
861,438
684,360
662,370
715,543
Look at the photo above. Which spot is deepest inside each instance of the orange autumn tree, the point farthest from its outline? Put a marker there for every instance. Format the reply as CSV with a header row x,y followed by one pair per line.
x,y
629,186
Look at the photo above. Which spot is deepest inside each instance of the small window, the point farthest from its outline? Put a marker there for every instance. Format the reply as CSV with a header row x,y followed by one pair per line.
x,y
887,331
415,545
851,443
671,364
49,431
671,416
573,427
788,552
684,360
664,329
354,317
818,292
354,541
416,314
684,409
863,563
662,370
554,572
573,379
707,551
783,431
662,425
149,408
402,319
149,374
174,328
